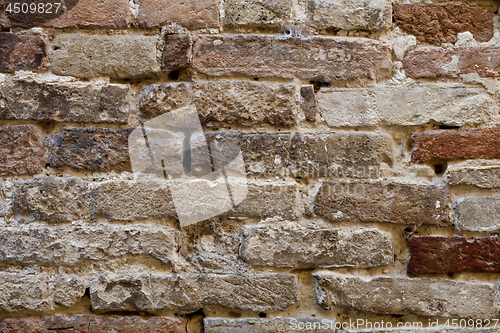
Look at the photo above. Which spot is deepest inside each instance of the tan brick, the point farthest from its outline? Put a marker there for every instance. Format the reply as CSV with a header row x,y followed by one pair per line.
x,y
21,150
185,293
270,246
71,246
477,214
52,199
372,15
90,149
460,144
257,13
481,176
22,52
312,58
258,325
193,14
383,201
84,56
442,24
25,99
309,104
94,324
397,296
429,62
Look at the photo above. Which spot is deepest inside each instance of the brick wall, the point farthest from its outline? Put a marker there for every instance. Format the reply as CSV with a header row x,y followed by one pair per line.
x,y
370,135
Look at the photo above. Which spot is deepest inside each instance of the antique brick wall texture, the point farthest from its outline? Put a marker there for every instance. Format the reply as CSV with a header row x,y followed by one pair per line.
x,y
370,132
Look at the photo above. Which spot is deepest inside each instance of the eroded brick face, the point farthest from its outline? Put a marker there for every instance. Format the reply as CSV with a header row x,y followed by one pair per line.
x,y
21,150
442,23
22,52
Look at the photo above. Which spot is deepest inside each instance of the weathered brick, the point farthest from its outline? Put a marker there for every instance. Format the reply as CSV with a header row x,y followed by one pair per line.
x,y
69,246
21,150
32,292
194,14
481,176
123,200
309,104
453,105
5,199
477,214
314,58
112,14
24,99
93,324
317,248
340,154
372,15
456,144
442,24
176,51
69,290
185,293
117,56
22,52
224,103
424,297
90,149
52,199
257,13
428,62
445,255
383,201
258,325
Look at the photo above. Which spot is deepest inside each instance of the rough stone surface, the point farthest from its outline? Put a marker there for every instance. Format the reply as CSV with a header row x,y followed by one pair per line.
x,y
424,297
21,150
442,24
5,199
257,13
112,14
313,58
33,292
70,246
372,15
456,144
477,214
124,200
176,51
69,290
382,201
22,52
452,105
224,103
185,293
317,248
117,56
193,14
93,324
429,62
91,149
52,199
25,99
445,255
309,104
340,154
481,176
257,325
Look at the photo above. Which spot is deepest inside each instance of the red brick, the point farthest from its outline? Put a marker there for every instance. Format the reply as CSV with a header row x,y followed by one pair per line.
x,y
91,149
309,105
21,52
192,14
93,324
175,51
79,14
424,62
318,58
21,150
443,255
441,24
456,144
